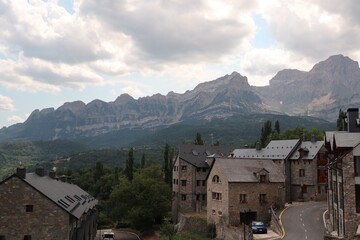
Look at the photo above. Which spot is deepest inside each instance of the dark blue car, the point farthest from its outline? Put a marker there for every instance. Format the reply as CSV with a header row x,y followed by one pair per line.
x,y
258,227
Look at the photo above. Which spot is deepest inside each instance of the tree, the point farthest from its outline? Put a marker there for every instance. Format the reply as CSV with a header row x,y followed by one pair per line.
x,y
339,122
266,132
217,143
198,140
129,168
277,126
168,155
143,161
168,229
143,202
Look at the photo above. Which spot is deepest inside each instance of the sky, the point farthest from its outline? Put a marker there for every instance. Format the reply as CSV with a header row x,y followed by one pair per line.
x,y
58,51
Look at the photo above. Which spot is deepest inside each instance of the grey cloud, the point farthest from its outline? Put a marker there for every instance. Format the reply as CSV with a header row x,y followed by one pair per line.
x,y
171,30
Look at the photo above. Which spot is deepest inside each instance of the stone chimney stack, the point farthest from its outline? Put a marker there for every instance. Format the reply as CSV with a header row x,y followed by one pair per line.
x,y
52,174
352,120
21,172
40,171
258,146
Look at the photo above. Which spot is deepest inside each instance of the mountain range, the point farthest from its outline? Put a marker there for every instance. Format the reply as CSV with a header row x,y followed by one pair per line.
x,y
330,85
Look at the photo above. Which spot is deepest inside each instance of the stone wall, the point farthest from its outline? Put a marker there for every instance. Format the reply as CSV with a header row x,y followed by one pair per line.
x,y
274,196
47,221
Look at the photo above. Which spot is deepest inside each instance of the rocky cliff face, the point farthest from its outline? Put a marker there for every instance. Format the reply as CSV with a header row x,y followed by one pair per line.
x,y
223,97
330,85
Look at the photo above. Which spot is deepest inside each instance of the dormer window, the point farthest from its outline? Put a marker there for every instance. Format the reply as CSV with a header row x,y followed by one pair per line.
x,y
263,178
216,179
303,152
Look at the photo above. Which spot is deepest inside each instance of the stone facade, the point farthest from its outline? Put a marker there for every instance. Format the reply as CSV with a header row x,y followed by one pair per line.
x,y
192,196
303,179
27,212
227,209
47,221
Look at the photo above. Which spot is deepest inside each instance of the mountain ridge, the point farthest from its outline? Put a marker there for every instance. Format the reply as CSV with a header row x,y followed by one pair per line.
x,y
330,85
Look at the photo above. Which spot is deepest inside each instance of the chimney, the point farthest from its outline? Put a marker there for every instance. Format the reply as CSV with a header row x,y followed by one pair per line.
x,y
258,146
52,174
313,138
21,172
352,120
63,178
40,171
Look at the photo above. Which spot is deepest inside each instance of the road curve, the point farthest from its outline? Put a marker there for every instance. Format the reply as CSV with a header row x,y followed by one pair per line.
x,y
304,221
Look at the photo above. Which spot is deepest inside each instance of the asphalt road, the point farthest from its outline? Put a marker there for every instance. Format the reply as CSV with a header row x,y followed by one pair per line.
x,y
304,221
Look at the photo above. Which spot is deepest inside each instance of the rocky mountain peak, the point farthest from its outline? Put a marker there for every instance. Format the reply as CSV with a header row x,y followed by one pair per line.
x,y
123,99
336,63
287,75
74,107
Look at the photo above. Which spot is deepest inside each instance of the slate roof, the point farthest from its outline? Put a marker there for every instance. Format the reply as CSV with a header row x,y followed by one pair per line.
x,y
197,154
342,139
276,150
243,170
312,147
67,196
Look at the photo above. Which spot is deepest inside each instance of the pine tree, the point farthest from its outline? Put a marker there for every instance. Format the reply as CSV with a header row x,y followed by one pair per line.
x,y
129,169
266,132
339,122
198,140
168,154
277,126
143,161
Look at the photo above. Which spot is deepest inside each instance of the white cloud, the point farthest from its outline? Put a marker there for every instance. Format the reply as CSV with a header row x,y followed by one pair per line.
x,y
6,104
263,64
15,119
315,29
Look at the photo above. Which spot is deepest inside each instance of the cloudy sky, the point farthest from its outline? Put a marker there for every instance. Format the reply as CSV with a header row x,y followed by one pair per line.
x,y
53,52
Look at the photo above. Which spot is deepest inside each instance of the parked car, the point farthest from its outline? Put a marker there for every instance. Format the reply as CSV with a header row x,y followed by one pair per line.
x,y
108,236
258,227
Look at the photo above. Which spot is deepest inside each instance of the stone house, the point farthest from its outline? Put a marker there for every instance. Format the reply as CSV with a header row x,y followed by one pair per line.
x,y
35,207
308,171
242,190
344,179
190,169
303,164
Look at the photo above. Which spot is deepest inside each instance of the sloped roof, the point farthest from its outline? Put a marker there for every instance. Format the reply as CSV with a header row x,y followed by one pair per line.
x,y
67,196
197,154
276,149
312,147
342,139
243,170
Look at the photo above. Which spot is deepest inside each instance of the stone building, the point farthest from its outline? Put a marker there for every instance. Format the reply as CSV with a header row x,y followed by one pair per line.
x,y
308,171
302,162
190,169
344,179
35,206
242,190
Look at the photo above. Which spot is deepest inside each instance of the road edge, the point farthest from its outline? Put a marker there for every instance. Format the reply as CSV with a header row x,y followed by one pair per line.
x,y
280,221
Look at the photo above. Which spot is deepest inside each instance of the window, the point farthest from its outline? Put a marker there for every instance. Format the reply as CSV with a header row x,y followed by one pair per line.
x,y
183,168
2,237
174,182
262,198
198,169
183,183
177,181
204,183
301,172
204,169
243,198
216,179
357,165
304,189
262,178
29,208
357,198
183,197
213,211
204,197
27,237
220,213
216,196
174,168
197,197
198,183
